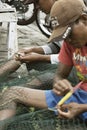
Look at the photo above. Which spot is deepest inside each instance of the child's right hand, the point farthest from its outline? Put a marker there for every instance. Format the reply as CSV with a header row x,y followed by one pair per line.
x,y
61,87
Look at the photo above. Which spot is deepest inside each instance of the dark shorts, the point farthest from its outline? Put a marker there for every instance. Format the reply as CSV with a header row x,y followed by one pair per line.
x,y
80,96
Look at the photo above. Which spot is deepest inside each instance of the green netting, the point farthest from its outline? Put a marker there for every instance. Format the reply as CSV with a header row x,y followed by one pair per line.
x,y
41,71
44,72
42,120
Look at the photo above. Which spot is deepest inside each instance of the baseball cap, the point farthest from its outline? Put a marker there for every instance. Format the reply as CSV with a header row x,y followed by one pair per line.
x,y
62,14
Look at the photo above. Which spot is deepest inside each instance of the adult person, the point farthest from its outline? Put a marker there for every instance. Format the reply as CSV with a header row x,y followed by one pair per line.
x,y
34,57
34,54
44,5
46,54
40,53
73,29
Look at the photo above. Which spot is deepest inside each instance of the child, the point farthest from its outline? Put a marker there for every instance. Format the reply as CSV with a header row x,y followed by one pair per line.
x,y
69,22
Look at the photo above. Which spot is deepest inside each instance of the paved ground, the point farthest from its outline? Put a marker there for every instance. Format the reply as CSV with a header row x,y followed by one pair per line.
x,y
30,35
27,36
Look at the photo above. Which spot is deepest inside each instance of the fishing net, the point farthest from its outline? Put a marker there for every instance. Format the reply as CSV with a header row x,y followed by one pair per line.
x,y
42,120
35,75
29,118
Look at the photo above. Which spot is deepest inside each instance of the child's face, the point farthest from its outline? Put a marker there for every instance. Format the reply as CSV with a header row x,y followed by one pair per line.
x,y
78,36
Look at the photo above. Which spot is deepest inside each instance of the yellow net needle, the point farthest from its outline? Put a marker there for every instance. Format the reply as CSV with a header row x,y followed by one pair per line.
x,y
69,94
66,97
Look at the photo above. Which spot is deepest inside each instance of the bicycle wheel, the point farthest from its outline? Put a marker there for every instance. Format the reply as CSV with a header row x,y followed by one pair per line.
x,y
27,17
42,21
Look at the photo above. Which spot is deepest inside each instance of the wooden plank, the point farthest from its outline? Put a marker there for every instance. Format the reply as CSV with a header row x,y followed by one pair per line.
x,y
7,16
12,39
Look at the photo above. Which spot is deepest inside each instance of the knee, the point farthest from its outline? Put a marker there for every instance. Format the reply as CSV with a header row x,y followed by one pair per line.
x,y
9,92
8,98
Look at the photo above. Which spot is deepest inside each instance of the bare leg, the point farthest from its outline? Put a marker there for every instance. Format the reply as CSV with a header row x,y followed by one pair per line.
x,y
9,67
26,96
6,114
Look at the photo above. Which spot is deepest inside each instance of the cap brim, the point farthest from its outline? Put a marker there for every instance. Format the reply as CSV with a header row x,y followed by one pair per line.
x,y
57,33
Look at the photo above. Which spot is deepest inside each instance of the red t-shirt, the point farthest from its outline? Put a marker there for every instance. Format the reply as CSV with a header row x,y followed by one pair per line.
x,y
75,57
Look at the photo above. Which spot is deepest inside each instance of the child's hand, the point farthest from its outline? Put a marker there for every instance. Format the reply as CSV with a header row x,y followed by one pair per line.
x,y
61,87
70,110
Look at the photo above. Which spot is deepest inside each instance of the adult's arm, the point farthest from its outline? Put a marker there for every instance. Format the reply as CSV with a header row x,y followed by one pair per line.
x,y
47,53
33,57
36,49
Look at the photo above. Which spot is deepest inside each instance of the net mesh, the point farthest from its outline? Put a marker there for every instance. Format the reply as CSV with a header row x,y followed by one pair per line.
x,y
42,120
43,72
38,119
40,71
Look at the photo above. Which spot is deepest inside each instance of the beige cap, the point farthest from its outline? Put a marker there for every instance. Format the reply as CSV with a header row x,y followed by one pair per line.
x,y
63,13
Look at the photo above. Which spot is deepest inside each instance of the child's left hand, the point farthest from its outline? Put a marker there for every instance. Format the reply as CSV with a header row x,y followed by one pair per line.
x,y
70,110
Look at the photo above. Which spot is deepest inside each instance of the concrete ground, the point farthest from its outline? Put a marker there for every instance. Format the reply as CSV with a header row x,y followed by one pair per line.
x,y
27,36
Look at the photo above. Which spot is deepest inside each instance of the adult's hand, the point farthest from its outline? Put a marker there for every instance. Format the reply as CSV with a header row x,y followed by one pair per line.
x,y
27,57
32,57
